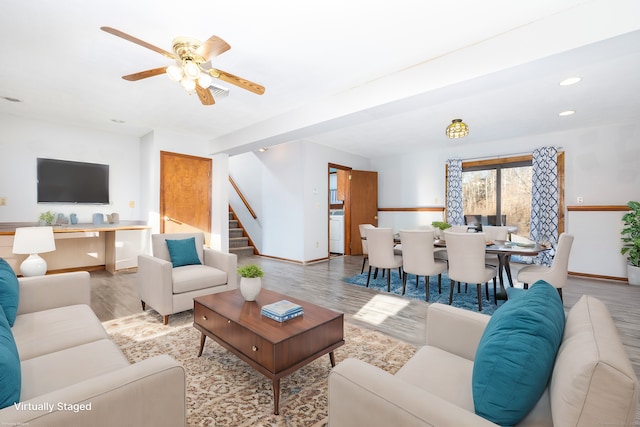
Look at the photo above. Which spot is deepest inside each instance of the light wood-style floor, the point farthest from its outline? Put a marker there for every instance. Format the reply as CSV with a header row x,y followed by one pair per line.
x,y
322,283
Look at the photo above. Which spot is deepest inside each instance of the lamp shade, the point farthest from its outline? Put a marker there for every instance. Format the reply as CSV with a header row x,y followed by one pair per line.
x,y
33,240
457,129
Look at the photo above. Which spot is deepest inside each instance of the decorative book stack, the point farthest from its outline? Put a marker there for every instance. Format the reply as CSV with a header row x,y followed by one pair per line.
x,y
281,310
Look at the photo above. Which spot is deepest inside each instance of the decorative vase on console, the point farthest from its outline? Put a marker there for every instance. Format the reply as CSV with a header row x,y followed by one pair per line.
x,y
250,281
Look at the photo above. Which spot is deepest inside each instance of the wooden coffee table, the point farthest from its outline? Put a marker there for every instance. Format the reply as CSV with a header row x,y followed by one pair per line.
x,y
272,348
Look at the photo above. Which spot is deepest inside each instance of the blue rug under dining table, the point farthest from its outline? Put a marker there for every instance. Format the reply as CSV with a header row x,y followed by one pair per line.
x,y
467,300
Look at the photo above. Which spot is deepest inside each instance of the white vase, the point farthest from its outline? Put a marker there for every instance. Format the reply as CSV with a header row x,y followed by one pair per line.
x,y
633,274
250,287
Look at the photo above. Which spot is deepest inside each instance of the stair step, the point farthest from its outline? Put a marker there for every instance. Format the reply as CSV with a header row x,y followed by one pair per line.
x,y
242,251
233,223
235,232
238,242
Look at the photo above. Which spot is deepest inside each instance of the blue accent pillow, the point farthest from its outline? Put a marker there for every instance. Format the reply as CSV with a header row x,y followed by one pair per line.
x,y
10,375
515,356
9,291
183,252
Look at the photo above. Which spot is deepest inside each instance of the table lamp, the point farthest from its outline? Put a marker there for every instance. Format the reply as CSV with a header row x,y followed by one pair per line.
x,y
32,241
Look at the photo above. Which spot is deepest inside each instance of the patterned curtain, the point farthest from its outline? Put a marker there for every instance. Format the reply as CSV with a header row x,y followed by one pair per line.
x,y
544,200
455,214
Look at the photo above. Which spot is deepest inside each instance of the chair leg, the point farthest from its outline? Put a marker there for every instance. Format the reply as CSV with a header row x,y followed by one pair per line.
x,y
439,283
451,285
144,305
388,279
404,283
426,287
479,288
369,275
375,274
486,290
165,319
364,261
495,292
418,281
525,285
560,292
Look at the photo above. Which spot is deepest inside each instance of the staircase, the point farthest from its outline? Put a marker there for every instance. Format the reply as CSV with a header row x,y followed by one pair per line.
x,y
239,242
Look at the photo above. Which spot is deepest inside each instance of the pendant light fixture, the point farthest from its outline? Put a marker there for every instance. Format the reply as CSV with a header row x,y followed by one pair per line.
x,y
457,129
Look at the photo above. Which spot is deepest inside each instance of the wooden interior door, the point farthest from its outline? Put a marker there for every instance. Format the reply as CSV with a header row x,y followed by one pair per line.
x,y
361,207
185,194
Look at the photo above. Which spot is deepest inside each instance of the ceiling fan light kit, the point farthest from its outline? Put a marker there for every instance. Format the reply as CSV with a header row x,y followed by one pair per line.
x,y
192,69
457,129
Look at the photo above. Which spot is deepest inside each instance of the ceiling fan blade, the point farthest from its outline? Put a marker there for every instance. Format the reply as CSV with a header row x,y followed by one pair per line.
x,y
144,74
205,95
138,41
213,47
235,80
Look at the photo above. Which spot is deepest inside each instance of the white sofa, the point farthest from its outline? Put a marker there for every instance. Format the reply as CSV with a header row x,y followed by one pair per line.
x,y
74,375
592,382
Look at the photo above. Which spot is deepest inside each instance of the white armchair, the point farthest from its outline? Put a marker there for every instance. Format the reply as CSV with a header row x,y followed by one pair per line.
x,y
168,289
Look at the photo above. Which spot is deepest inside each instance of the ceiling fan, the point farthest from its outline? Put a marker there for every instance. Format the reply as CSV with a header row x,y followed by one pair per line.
x,y
193,67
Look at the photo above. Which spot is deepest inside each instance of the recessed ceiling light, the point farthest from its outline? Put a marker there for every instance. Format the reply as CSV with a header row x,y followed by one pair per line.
x,y
567,113
570,81
263,149
11,99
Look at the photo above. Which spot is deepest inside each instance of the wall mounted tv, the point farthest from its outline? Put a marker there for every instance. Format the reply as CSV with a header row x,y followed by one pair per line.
x,y
63,181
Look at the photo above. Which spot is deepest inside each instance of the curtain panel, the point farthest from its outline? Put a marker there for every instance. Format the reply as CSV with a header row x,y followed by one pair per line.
x,y
545,200
455,213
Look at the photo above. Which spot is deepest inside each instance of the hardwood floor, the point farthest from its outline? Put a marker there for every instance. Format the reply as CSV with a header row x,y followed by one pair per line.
x,y
322,283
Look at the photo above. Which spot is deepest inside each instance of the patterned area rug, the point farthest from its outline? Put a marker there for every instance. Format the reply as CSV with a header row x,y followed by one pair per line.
x,y
222,390
467,300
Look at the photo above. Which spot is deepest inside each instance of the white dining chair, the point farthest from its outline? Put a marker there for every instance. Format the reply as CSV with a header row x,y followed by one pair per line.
x,y
365,248
556,275
380,246
418,258
493,234
466,252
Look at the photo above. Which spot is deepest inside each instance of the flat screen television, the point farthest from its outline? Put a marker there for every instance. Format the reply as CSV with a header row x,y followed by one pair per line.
x,y
63,181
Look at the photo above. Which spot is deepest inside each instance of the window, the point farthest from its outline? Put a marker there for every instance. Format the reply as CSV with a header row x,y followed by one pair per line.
x,y
498,192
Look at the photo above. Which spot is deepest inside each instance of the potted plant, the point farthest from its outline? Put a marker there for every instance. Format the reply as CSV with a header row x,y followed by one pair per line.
x,y
631,242
250,281
439,227
46,218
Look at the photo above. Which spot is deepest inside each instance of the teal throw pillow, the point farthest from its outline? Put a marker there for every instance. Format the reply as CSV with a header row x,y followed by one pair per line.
x,y
515,356
9,291
183,252
10,375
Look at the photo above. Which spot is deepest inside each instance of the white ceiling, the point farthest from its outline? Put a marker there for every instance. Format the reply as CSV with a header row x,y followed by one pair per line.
x,y
367,77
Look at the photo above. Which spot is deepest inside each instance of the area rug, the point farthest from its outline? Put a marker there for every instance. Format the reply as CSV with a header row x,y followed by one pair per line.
x,y
467,300
222,390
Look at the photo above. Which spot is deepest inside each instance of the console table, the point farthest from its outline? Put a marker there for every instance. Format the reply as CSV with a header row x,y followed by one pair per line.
x,y
114,247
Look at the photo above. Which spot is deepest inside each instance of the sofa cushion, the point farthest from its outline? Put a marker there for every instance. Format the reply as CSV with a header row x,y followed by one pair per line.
x,y
46,331
516,354
194,277
10,375
63,368
9,291
183,252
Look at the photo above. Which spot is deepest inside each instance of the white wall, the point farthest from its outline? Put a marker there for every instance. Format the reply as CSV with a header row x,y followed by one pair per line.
x,y
287,187
23,141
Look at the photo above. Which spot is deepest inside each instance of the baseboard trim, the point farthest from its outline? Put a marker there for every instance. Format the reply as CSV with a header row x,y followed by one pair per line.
x,y
599,277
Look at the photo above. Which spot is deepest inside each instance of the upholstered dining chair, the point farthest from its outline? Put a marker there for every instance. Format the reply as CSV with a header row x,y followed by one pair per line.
x,y
556,275
466,254
418,258
363,238
180,269
494,233
381,254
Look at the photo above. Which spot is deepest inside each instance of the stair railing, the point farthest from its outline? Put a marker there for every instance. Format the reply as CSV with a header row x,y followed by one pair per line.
x,y
244,199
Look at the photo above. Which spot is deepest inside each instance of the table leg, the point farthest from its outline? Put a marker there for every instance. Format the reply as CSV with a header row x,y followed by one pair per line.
x,y
276,396
332,359
203,337
507,267
501,266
